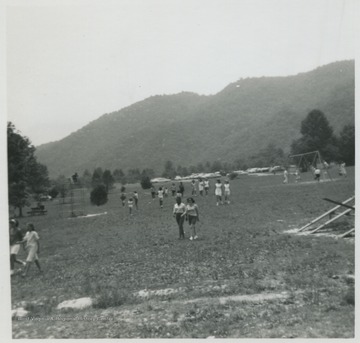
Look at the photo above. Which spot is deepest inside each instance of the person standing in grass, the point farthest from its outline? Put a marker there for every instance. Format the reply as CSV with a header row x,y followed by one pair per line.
x,y
153,192
130,205
227,192
31,240
161,197
173,189
218,192
201,186
317,173
123,195
178,211
206,186
286,179
192,213
181,189
16,236
193,188
136,199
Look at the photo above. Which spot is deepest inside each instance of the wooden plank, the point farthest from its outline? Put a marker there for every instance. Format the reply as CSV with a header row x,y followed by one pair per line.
x,y
347,233
325,214
339,203
331,220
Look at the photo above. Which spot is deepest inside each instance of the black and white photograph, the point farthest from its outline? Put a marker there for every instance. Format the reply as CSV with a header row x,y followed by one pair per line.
x,y
178,169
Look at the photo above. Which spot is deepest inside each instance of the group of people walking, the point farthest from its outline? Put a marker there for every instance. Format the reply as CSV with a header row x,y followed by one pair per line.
x,y
30,243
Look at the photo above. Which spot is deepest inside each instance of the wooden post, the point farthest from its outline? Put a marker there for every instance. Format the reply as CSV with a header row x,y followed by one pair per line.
x,y
331,220
325,214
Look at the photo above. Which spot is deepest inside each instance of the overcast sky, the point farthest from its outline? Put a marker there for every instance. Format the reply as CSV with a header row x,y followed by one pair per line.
x,y
69,63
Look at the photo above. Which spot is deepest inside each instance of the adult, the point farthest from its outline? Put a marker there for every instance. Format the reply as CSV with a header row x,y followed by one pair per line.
x,y
16,237
178,211
192,213
286,176
161,197
201,186
193,188
342,170
218,192
32,247
206,186
227,192
181,189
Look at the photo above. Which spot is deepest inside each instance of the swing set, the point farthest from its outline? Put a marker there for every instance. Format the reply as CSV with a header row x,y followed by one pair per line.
x,y
312,160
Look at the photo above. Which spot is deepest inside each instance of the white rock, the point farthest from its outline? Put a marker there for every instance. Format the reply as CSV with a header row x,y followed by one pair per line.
x,y
76,303
19,312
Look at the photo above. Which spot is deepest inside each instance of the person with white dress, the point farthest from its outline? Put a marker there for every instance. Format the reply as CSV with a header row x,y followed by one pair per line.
x,y
218,192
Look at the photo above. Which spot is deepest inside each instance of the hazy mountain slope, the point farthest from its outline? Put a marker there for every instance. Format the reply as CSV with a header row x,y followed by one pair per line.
x,y
187,128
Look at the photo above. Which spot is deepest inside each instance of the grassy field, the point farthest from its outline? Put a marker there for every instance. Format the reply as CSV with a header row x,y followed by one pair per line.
x,y
246,276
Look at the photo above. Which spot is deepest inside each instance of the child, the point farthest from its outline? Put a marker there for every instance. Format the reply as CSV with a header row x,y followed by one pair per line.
x,y
161,196
15,237
166,192
130,205
123,195
317,173
227,192
32,247
218,192
178,211
297,175
136,199
192,213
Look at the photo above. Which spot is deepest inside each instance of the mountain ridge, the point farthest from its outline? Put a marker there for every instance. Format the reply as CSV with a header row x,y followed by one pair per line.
x,y
188,128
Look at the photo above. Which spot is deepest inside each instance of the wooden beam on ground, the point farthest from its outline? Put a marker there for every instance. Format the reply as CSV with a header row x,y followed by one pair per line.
x,y
339,203
325,214
332,220
347,233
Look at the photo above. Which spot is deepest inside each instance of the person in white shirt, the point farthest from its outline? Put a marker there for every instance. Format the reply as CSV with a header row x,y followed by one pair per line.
x,y
178,211
206,186
161,197
317,173
227,192
31,240
286,179
192,214
201,186
218,192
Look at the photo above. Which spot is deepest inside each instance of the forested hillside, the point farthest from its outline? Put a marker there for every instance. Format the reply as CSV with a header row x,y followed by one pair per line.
x,y
187,128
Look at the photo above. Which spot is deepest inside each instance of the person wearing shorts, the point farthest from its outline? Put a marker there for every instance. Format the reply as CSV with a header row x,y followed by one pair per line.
x,y
192,214
178,211
15,237
31,240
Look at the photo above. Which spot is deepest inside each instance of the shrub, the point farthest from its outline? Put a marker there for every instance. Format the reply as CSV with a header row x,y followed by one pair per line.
x,y
146,182
233,176
98,195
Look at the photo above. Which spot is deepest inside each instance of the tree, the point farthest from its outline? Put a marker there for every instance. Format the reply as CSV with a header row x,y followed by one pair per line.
x,y
119,176
169,170
133,175
25,175
347,144
86,179
145,182
148,172
96,179
108,179
317,134
98,195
